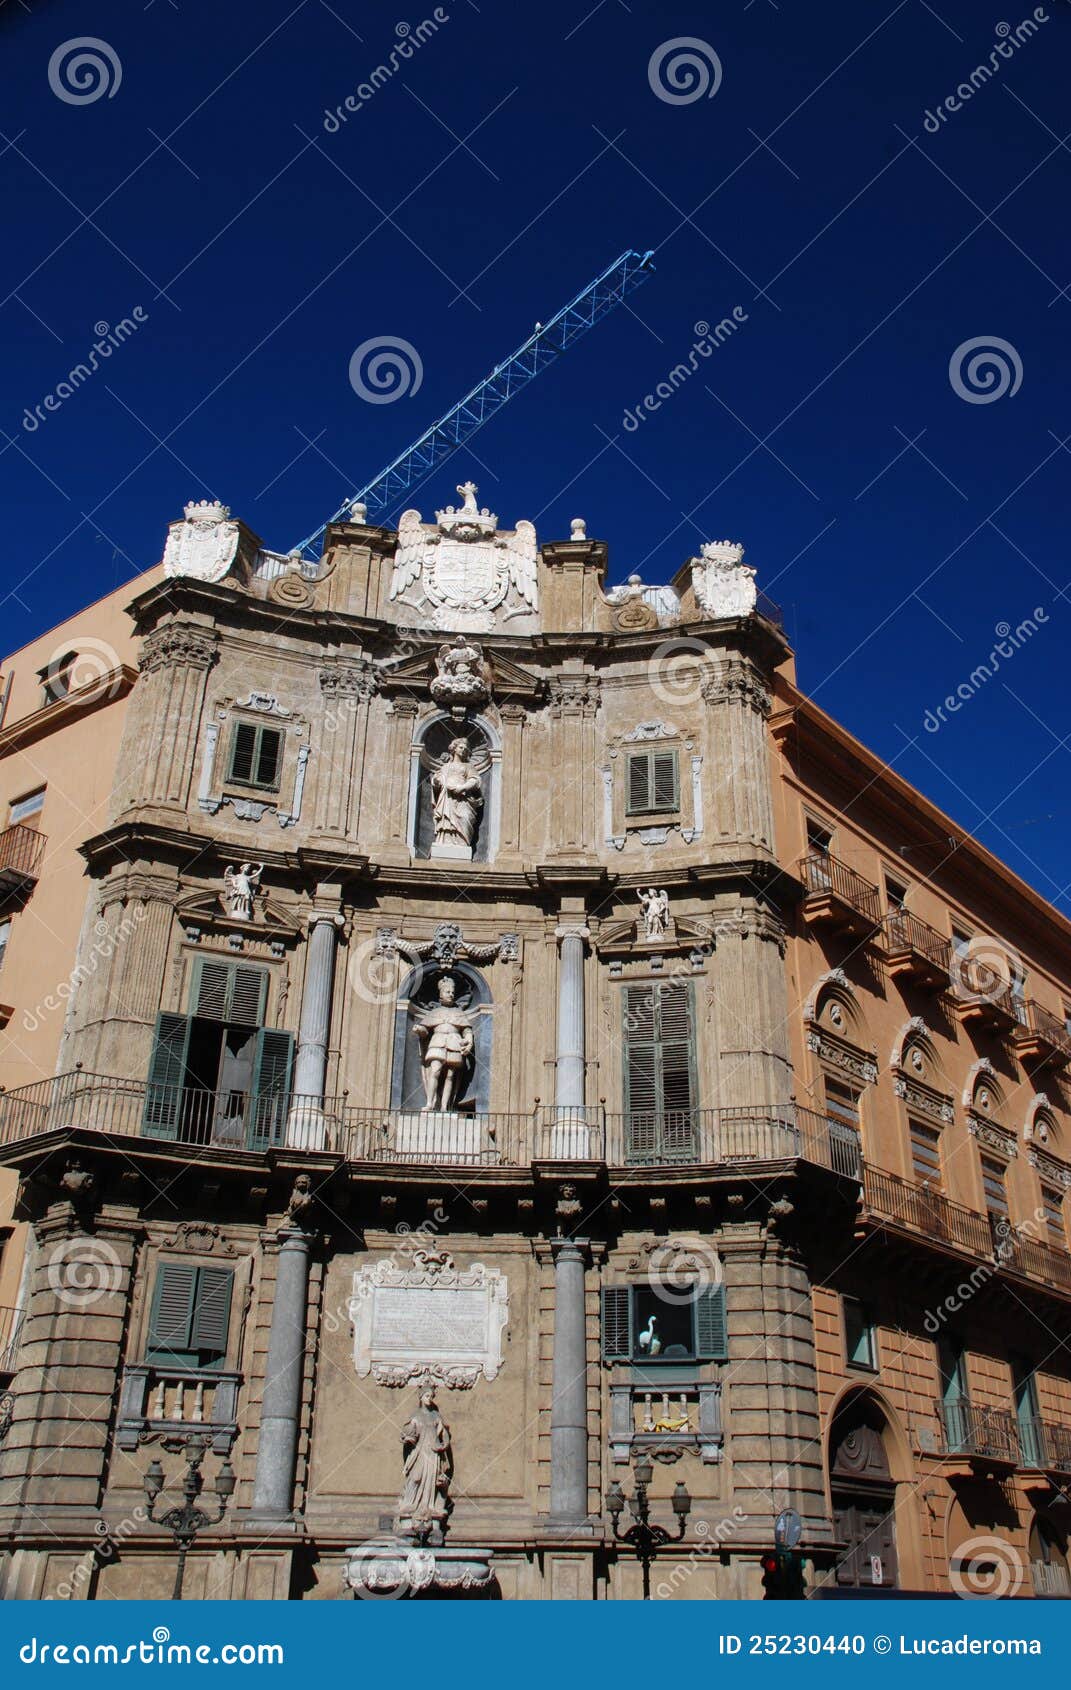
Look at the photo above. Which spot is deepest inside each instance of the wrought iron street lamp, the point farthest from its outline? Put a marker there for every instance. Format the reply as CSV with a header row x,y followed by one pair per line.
x,y
645,1537
185,1520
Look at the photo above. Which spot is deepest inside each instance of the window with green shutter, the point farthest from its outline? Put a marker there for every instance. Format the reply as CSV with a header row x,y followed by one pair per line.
x,y
660,1078
652,782
648,1323
189,1318
256,755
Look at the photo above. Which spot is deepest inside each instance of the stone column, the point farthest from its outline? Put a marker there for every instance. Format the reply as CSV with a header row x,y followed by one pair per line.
x,y
569,1404
570,1136
306,1128
280,1416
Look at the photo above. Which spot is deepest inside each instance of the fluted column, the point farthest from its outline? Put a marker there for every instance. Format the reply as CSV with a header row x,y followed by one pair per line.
x,y
569,1403
570,1124
273,1482
305,1129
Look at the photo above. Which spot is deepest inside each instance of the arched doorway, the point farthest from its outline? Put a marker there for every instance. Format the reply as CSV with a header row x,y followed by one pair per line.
x,y
863,1496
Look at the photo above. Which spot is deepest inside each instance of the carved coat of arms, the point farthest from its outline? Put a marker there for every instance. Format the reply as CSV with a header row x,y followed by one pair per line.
x,y
204,545
723,583
466,568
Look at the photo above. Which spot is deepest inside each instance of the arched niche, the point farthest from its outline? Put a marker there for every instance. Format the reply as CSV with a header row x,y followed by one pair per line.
x,y
430,746
1040,1128
419,992
983,1095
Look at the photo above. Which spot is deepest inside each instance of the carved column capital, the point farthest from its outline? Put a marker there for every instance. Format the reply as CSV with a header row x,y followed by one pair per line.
x,y
179,643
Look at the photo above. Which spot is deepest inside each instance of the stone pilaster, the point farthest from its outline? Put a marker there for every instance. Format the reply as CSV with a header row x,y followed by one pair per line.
x,y
737,706
574,704
751,1007
394,779
512,717
280,1415
158,760
54,1459
774,1442
348,689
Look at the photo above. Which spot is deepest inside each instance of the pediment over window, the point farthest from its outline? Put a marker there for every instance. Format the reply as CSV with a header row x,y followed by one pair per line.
x,y
202,912
506,680
834,1028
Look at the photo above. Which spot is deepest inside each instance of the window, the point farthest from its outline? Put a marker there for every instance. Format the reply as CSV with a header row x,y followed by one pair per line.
x,y
55,678
256,753
842,1104
926,1154
860,1337
996,1192
653,782
5,934
895,894
190,1315
24,809
819,838
1052,1203
218,1075
1025,1393
955,1396
646,1323
660,1084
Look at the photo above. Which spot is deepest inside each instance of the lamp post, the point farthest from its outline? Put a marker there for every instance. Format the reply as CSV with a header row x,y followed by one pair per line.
x,y
644,1537
186,1520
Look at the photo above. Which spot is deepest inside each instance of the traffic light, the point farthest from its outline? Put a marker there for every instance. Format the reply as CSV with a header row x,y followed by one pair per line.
x,y
782,1575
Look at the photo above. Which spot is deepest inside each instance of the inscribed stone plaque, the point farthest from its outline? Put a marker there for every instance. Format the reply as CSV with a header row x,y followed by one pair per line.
x,y
429,1321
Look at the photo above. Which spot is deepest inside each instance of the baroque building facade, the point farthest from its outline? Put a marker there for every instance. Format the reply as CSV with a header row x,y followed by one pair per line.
x,y
515,1065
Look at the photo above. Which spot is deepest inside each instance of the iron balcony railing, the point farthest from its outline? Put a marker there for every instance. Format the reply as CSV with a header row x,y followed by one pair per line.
x,y
241,1121
990,1433
977,986
919,1208
10,1331
825,876
1043,1445
21,850
1035,1019
905,931
1017,1252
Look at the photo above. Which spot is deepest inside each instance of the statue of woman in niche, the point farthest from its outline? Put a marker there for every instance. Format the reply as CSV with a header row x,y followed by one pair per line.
x,y
447,1042
457,798
424,1504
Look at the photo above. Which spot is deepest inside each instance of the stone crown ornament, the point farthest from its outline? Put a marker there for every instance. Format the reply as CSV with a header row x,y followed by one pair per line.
x,y
464,570
724,585
204,545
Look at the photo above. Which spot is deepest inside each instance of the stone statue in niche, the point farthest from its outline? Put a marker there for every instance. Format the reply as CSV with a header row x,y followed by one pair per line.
x,y
445,1035
457,799
654,907
240,888
425,1500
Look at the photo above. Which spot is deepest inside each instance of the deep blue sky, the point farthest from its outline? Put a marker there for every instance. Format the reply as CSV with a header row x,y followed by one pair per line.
x,y
514,155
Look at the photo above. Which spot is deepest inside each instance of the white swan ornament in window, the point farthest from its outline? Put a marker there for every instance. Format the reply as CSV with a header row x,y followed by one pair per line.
x,y
648,1339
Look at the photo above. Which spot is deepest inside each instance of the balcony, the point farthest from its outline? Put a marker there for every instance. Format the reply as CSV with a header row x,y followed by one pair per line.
x,y
916,951
10,1328
982,997
174,1402
238,1122
21,851
1043,1447
836,897
920,1209
1015,1251
1041,1037
989,1436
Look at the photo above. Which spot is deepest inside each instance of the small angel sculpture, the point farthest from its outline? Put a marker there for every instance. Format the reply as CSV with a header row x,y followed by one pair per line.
x,y
241,887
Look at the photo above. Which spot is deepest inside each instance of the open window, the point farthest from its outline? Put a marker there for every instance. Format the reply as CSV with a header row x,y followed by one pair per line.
x,y
189,1319
648,1323
217,1075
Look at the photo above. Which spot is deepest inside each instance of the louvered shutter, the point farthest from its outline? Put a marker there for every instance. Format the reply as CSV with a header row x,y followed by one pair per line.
x,y
664,785
171,1315
677,1058
167,1072
243,753
267,768
711,1337
642,1098
212,1312
639,782
229,991
271,1087
616,1323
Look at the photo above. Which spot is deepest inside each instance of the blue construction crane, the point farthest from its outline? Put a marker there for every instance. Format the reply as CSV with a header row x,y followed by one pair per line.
x,y
546,342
